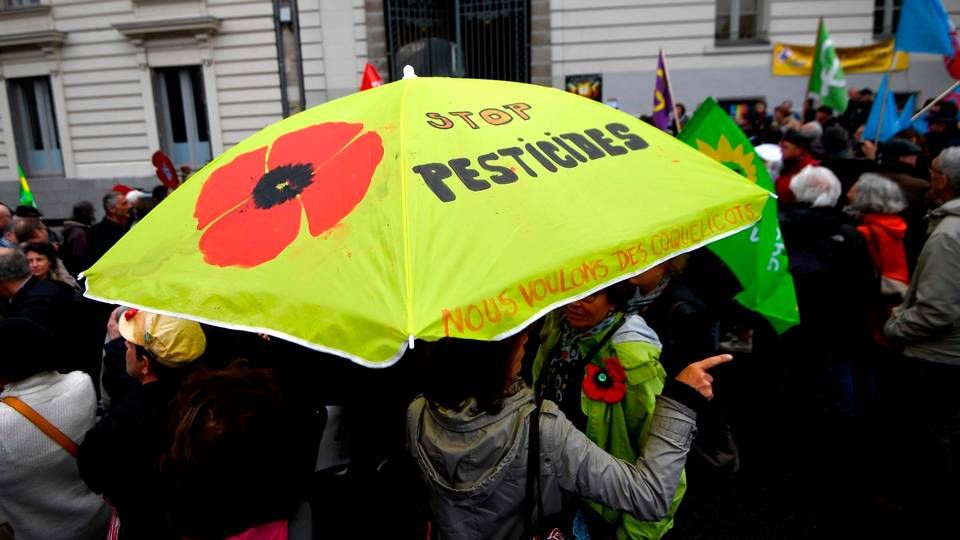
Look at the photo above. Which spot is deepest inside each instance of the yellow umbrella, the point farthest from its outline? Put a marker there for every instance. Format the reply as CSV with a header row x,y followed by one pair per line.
x,y
424,208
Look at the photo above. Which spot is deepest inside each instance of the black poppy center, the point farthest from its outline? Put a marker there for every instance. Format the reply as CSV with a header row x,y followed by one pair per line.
x,y
602,378
282,184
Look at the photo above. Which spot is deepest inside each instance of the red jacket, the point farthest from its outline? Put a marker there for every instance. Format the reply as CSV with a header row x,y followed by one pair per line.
x,y
884,235
786,174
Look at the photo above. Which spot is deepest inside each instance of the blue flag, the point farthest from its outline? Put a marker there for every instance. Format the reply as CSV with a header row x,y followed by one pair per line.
x,y
924,27
891,121
907,113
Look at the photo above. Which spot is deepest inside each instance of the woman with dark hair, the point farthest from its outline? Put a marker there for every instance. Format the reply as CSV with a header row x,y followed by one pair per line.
x,y
41,493
494,461
240,457
44,264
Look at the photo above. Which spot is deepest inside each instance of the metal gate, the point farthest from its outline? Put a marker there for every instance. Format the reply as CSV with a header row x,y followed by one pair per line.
x,y
484,39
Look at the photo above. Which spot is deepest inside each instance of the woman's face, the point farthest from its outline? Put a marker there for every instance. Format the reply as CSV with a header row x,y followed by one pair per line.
x,y
587,312
39,264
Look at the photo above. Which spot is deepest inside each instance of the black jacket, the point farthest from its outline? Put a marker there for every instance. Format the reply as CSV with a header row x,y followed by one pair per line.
x,y
73,320
685,326
101,237
832,272
73,250
119,458
47,302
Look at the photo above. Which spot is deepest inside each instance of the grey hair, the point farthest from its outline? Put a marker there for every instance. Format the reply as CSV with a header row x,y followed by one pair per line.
x,y
110,200
13,266
949,164
816,186
876,193
812,130
25,227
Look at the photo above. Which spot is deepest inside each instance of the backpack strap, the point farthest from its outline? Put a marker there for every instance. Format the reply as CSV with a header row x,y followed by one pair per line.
x,y
602,343
538,387
43,424
532,501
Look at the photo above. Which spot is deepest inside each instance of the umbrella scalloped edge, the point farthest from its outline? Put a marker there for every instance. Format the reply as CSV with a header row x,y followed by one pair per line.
x,y
604,285
258,330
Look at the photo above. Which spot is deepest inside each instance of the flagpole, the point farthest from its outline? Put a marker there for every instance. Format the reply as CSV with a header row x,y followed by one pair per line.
x,y
886,92
673,97
936,100
816,51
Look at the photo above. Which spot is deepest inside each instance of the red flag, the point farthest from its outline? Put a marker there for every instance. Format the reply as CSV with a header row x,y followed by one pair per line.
x,y
953,62
165,170
371,79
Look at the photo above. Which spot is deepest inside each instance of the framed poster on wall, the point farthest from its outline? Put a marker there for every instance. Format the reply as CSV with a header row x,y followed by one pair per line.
x,y
588,86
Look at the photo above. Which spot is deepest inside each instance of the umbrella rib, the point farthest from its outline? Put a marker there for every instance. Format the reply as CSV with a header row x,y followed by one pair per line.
x,y
407,263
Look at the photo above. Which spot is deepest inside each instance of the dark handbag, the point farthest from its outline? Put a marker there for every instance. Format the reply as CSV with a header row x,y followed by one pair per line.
x,y
715,445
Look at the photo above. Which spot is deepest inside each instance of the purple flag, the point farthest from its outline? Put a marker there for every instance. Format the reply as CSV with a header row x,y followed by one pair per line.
x,y
662,100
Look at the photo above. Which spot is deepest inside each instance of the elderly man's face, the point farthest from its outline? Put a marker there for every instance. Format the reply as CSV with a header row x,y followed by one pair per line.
x,y
5,216
939,183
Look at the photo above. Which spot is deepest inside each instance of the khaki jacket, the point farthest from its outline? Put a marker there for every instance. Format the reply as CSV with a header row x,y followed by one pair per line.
x,y
474,465
928,321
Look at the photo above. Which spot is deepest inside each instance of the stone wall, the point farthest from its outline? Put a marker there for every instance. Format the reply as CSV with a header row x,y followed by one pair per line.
x,y
56,196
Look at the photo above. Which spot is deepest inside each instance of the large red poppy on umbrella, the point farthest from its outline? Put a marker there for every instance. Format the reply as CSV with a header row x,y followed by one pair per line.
x,y
252,207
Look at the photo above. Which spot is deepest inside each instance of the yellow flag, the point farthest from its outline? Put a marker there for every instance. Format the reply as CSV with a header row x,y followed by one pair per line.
x,y
796,60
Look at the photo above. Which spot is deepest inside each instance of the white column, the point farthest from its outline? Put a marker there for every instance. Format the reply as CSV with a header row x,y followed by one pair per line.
x,y
60,112
9,143
211,95
146,91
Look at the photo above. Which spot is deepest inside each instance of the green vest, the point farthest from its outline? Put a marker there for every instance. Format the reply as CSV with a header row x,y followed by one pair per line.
x,y
620,428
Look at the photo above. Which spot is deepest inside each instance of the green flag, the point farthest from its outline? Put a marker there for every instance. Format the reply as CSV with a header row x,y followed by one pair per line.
x,y
757,255
827,84
26,196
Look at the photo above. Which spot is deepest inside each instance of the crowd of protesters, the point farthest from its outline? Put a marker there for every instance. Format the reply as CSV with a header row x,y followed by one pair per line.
x,y
874,245
140,425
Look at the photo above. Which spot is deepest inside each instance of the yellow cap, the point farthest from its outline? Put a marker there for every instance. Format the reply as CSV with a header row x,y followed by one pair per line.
x,y
171,340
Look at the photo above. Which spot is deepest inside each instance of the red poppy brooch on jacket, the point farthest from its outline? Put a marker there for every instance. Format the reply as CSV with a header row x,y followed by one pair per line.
x,y
251,208
605,380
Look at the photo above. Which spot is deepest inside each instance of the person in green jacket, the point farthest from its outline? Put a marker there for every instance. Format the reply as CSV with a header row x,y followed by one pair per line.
x,y
600,366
